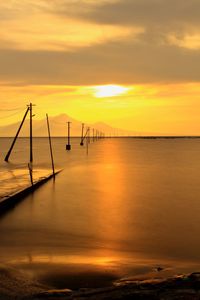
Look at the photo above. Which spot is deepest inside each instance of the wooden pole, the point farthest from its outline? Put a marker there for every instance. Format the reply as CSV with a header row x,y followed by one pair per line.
x,y
50,146
18,131
82,138
93,137
30,172
89,135
68,146
87,140
85,136
31,134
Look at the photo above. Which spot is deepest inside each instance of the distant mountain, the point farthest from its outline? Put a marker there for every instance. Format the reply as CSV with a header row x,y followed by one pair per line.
x,y
109,130
58,126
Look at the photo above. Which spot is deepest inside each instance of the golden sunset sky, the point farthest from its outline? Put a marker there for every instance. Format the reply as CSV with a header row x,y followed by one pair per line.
x,y
134,64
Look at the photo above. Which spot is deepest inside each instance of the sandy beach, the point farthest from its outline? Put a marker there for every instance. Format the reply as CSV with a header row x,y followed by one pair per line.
x,y
17,285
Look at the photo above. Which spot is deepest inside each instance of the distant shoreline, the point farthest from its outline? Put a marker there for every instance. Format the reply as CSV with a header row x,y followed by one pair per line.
x,y
116,137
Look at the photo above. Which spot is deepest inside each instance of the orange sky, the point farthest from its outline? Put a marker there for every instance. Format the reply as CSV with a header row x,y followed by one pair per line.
x,y
134,64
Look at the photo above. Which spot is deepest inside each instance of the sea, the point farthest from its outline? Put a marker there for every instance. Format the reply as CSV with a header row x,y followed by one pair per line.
x,y
123,208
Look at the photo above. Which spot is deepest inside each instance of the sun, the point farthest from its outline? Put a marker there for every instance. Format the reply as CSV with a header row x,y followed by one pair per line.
x,y
102,91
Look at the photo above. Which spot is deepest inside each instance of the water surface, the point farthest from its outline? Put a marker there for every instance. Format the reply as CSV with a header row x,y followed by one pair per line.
x,y
128,207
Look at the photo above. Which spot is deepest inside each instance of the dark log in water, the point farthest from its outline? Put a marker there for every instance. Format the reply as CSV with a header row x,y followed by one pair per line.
x,y
11,200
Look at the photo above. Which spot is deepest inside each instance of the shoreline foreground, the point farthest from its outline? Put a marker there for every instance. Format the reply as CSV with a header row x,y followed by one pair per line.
x,y
185,287
16,285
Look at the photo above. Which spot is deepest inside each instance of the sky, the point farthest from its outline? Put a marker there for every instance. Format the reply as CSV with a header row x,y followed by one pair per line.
x,y
134,64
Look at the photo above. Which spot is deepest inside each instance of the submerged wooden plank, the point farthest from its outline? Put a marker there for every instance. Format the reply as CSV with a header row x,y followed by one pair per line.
x,y
11,200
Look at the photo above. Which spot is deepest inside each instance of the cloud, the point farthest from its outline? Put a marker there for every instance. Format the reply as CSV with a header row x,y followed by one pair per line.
x,y
160,19
147,12
189,41
174,22
124,62
44,32
38,25
15,9
100,42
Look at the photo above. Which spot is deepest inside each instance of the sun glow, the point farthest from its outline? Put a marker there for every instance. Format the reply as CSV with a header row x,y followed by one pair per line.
x,y
103,91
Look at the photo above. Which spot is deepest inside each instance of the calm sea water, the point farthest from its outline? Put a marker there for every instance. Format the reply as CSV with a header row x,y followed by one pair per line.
x,y
128,207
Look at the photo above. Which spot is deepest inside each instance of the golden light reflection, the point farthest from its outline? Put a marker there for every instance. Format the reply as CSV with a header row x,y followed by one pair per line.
x,y
110,211
64,259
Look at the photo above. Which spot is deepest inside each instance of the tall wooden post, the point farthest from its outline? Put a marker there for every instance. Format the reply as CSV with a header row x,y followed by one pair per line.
x,y
82,132
31,133
93,135
87,140
18,131
51,152
88,135
96,135
30,172
68,146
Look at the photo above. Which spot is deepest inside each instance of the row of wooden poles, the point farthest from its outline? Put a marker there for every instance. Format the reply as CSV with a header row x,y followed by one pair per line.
x,y
85,136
